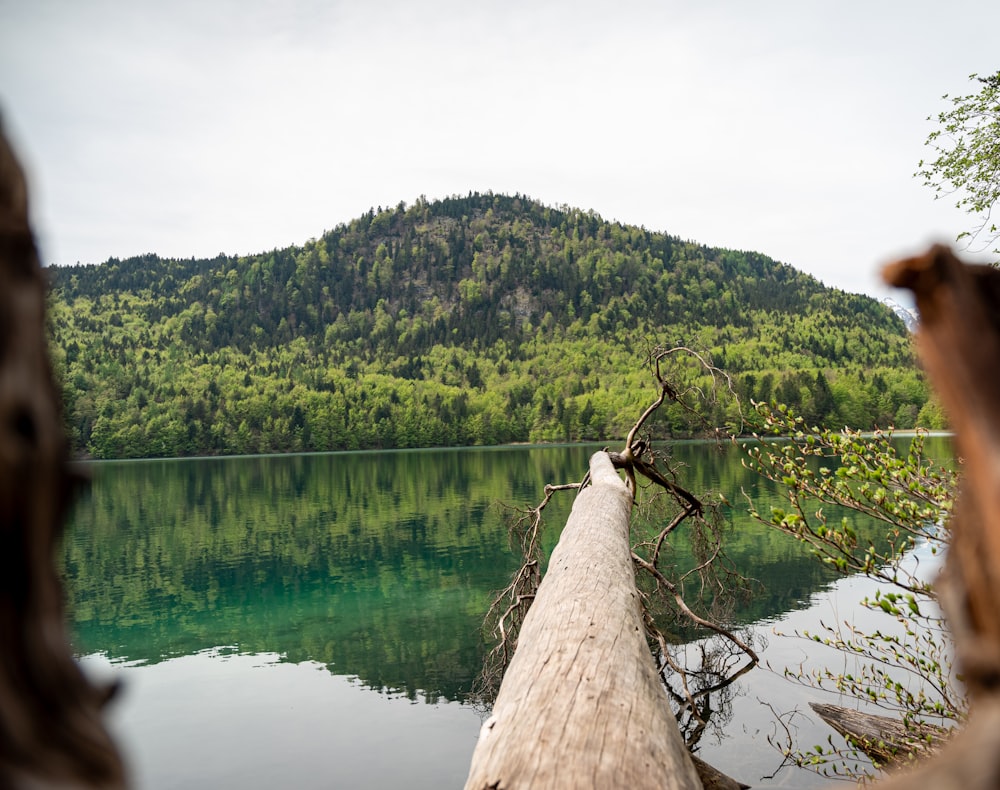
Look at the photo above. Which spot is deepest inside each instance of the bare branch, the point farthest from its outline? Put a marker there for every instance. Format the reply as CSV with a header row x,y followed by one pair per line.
x,y
682,605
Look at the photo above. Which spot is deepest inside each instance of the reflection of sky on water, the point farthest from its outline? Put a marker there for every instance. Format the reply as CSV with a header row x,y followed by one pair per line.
x,y
746,754
221,719
217,719
341,577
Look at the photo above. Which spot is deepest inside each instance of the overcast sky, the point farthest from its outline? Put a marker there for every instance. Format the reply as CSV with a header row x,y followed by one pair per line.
x,y
194,127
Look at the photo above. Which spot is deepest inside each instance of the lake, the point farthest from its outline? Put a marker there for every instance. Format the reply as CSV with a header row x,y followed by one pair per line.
x,y
313,621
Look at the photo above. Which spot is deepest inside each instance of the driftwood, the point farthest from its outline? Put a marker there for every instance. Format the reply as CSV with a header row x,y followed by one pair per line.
x,y
51,734
713,779
581,704
885,740
959,342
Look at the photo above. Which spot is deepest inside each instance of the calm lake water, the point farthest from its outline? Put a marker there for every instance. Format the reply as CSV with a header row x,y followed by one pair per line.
x,y
313,621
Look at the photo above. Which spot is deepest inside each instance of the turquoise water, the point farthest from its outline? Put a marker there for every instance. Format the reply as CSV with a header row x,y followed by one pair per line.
x,y
314,620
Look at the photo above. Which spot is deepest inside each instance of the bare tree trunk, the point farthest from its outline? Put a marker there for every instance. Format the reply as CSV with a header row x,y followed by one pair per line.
x,y
581,704
959,342
51,734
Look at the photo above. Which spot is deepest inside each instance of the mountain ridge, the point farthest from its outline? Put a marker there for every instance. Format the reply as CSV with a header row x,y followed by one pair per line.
x,y
460,309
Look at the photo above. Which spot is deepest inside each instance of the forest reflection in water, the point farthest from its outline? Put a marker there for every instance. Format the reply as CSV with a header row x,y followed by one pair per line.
x,y
310,615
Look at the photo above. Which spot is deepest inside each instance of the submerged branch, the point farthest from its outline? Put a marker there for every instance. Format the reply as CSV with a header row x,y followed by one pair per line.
x,y
682,605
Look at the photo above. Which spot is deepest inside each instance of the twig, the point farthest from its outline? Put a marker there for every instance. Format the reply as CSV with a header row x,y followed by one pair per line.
x,y
682,605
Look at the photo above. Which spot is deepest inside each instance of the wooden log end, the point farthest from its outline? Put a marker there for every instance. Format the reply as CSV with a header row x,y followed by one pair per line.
x,y
51,732
602,470
937,275
884,739
713,779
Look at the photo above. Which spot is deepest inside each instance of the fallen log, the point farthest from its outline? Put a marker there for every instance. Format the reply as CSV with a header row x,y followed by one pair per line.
x,y
713,779
581,704
884,739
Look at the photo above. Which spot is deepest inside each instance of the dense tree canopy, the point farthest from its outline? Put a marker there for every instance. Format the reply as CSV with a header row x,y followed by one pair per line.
x,y
472,320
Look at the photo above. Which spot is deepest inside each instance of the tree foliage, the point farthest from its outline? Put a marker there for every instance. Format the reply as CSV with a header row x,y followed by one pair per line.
x,y
472,320
966,163
833,480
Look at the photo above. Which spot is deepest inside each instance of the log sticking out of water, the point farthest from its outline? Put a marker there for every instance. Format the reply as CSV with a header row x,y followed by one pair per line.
x,y
884,739
713,779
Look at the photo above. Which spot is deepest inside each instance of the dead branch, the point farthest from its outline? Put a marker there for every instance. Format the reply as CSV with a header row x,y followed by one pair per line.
x,y
509,607
682,605
632,460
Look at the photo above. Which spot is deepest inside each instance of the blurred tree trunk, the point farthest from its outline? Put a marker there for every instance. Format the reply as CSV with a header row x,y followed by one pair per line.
x,y
959,342
51,734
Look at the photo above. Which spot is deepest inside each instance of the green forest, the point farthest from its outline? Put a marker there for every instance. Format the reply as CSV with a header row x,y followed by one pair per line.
x,y
477,320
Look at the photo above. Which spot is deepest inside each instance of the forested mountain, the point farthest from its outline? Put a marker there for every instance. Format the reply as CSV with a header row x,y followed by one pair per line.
x,y
480,319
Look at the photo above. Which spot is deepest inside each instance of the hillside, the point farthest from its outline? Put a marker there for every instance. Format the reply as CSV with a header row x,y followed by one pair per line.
x,y
484,319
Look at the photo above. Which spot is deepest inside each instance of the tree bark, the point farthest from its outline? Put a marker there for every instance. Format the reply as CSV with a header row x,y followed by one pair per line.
x,y
581,704
886,740
51,734
959,342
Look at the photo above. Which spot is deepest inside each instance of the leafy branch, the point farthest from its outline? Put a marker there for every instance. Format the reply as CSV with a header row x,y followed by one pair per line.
x,y
910,495
966,159
905,667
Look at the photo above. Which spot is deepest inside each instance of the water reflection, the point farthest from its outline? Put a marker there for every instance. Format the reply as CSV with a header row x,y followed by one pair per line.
x,y
376,565
361,571
221,719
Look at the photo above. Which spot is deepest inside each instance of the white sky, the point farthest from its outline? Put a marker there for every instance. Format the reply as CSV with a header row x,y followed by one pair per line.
x,y
194,127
